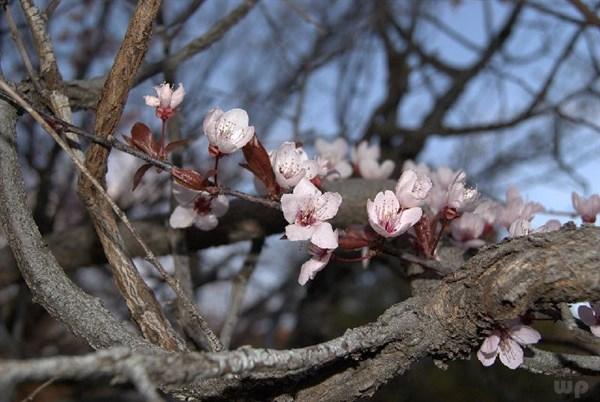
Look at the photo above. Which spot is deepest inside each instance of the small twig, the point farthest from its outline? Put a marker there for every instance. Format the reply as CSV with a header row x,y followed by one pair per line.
x,y
192,308
16,36
36,391
561,364
590,16
251,198
430,264
112,142
238,291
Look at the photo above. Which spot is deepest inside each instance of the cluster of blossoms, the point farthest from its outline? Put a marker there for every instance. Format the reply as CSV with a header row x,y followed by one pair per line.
x,y
425,204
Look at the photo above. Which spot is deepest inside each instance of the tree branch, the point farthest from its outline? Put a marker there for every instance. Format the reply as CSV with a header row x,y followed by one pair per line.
x,y
502,281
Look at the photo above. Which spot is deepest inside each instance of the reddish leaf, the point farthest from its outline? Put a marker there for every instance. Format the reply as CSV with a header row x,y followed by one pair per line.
x,y
258,162
357,236
139,174
171,146
189,178
141,138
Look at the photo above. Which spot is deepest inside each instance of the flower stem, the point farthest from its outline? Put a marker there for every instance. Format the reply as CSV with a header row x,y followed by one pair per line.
x,y
161,143
217,157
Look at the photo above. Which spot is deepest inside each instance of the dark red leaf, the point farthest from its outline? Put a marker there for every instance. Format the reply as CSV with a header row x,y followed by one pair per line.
x,y
258,162
189,178
357,236
139,174
141,138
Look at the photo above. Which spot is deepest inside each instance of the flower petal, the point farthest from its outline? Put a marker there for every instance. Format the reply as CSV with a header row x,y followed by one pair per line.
x,y
291,204
486,359
511,354
524,334
209,125
586,314
310,268
575,306
324,237
152,101
183,195
297,232
219,205
177,96
306,188
206,221
409,217
182,217
490,344
327,205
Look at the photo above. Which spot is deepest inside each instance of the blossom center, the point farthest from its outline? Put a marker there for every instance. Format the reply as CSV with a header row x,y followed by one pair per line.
x,y
202,205
226,128
306,217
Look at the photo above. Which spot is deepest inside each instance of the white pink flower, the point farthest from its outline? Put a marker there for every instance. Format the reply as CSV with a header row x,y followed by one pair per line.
x,y
520,227
460,196
290,164
227,131
467,229
387,218
550,226
318,261
197,208
166,100
413,188
488,210
306,211
590,315
366,160
516,208
588,208
334,155
451,192
507,343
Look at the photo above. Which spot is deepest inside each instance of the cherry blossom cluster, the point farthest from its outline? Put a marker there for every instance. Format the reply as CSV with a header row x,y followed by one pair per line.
x,y
426,206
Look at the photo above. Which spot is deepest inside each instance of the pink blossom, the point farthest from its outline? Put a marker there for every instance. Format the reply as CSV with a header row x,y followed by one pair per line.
x,y
334,155
366,161
320,258
508,344
460,197
588,208
488,210
520,227
590,315
550,226
227,131
166,100
197,208
420,168
467,229
387,218
450,192
307,209
413,188
290,164
516,208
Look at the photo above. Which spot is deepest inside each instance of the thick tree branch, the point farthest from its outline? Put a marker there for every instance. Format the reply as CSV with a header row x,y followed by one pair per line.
x,y
142,304
502,281
82,314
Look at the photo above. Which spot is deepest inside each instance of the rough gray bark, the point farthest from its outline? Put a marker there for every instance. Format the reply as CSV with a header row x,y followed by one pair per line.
x,y
81,313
